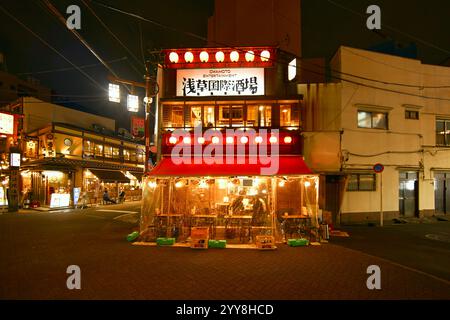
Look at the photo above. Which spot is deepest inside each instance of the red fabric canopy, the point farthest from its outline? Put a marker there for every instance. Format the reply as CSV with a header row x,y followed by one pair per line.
x,y
287,165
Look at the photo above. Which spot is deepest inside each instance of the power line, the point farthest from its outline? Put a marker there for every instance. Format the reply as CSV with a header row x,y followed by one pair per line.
x,y
113,35
68,69
392,28
55,11
52,48
281,62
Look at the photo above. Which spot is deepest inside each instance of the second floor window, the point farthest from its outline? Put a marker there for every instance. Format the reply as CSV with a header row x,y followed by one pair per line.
x,y
373,120
443,132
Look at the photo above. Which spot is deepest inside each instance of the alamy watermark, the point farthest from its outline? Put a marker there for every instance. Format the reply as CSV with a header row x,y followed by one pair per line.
x,y
74,280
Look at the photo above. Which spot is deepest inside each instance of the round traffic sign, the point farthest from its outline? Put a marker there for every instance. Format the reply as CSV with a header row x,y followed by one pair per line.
x,y
378,168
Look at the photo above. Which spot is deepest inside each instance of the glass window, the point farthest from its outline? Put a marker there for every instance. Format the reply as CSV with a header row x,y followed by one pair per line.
x,y
288,116
195,117
126,154
375,120
133,155
364,119
443,132
140,155
115,153
252,116
379,120
209,116
237,116
88,148
265,116
108,152
361,182
224,116
176,117
409,114
98,150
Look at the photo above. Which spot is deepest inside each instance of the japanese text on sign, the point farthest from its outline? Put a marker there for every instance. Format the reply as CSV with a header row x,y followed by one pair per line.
x,y
220,82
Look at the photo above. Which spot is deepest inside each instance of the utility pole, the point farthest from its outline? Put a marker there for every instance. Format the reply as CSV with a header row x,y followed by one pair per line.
x,y
149,94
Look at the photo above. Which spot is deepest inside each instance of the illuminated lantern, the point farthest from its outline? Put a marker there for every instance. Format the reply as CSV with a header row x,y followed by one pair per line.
x,y
220,56
265,55
173,57
234,56
173,140
215,140
187,140
201,140
273,139
287,139
188,57
249,56
244,140
230,140
204,56
258,139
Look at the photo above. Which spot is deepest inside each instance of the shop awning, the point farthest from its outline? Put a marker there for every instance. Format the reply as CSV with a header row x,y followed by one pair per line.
x,y
110,175
287,165
137,175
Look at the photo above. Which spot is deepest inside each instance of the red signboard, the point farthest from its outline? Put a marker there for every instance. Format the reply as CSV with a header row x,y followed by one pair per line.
x,y
137,127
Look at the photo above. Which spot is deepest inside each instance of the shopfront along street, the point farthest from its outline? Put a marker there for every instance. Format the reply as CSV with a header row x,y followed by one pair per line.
x,y
224,150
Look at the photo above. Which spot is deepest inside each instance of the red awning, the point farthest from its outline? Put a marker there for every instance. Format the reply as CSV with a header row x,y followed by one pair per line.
x,y
287,165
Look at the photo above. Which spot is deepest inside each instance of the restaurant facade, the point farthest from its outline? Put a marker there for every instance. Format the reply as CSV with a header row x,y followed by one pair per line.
x,y
230,126
69,157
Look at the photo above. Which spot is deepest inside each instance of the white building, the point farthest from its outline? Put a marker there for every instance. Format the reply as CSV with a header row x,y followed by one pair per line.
x,y
380,109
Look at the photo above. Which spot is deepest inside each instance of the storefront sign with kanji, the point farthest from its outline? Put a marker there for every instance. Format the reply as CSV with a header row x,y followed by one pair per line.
x,y
220,82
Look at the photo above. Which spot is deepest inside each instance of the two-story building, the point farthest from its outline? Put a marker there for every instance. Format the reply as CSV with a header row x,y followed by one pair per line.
x,y
231,144
383,109
66,152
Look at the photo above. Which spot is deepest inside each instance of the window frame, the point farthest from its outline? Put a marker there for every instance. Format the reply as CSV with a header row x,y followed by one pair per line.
x,y
386,114
358,182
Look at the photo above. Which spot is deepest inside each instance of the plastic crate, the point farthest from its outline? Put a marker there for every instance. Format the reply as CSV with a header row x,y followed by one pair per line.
x,y
222,244
165,241
297,242
133,236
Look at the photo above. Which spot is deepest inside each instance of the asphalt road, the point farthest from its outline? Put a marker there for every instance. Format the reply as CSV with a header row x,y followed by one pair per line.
x,y
422,246
36,248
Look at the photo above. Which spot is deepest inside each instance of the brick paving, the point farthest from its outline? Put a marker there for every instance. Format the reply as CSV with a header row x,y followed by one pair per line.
x,y
36,248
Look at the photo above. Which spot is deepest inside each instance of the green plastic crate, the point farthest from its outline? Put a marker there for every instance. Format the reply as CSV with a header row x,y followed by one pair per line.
x,y
222,244
165,241
133,236
297,242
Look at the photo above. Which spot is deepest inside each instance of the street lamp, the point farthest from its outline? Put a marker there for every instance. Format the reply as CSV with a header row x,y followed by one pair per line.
x,y
114,93
133,103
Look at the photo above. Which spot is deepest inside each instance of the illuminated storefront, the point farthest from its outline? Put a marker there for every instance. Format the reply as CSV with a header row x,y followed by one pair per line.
x,y
226,117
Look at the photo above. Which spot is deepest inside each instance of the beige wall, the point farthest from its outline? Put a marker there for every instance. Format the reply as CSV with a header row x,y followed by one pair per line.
x,y
38,114
406,144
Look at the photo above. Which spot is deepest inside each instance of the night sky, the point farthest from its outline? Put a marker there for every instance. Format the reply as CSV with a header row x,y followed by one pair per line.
x,y
326,24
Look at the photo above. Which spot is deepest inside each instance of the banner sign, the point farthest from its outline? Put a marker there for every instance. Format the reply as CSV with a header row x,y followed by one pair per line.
x,y
137,127
6,123
220,82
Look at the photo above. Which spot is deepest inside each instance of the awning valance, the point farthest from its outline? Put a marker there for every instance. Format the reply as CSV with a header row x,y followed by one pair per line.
x,y
110,175
287,165
137,175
